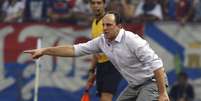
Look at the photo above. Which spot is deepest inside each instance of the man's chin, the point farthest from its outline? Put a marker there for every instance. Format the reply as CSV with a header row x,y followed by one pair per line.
x,y
106,37
98,13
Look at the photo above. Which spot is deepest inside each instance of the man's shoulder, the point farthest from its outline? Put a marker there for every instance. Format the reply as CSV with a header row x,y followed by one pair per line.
x,y
134,39
130,35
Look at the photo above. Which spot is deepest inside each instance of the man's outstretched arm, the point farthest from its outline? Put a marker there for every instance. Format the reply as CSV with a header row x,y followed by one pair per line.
x,y
62,51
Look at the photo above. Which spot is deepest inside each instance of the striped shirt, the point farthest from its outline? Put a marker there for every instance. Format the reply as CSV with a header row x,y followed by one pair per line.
x,y
129,53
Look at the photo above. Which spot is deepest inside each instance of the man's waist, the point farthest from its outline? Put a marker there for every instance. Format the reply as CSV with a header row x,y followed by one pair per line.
x,y
149,80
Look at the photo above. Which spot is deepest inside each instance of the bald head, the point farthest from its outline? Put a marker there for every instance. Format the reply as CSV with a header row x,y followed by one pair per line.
x,y
109,18
116,15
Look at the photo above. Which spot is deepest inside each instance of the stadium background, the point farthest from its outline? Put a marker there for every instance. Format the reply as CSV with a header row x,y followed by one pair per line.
x,y
63,79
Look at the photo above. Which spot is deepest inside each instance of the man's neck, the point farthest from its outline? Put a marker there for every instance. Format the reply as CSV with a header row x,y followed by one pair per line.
x,y
99,17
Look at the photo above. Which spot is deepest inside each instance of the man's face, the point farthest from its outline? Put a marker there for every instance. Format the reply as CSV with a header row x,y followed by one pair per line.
x,y
97,6
110,27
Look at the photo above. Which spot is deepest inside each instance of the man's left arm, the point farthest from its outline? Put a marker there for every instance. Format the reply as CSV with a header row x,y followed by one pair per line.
x,y
160,80
147,56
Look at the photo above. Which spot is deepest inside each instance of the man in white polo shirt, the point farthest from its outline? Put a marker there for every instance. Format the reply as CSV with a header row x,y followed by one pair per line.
x,y
130,54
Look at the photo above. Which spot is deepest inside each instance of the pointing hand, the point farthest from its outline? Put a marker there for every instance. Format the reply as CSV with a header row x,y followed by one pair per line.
x,y
35,53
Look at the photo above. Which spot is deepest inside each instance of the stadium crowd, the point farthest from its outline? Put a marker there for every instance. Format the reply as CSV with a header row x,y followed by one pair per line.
x,y
78,11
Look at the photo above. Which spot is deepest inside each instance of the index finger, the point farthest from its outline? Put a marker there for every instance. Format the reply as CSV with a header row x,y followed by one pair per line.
x,y
28,51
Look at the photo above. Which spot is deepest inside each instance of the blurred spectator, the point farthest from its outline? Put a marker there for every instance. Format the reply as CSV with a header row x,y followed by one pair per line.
x,y
1,11
164,5
13,10
149,10
184,10
197,7
115,5
182,90
60,10
82,6
170,7
36,10
129,7
82,12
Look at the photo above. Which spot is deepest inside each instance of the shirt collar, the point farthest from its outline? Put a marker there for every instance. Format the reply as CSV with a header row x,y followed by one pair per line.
x,y
120,35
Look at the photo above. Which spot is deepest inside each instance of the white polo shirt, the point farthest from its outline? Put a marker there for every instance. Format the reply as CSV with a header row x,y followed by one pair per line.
x,y
129,53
